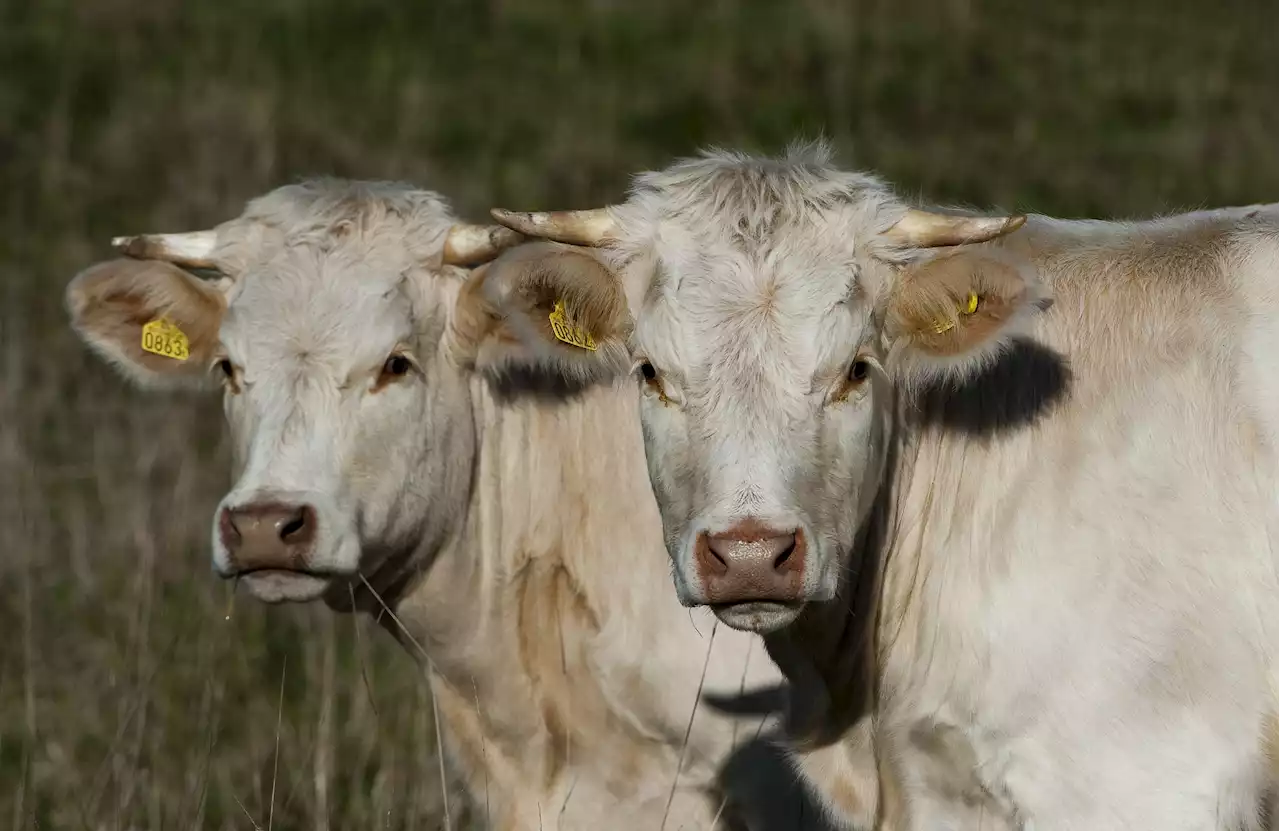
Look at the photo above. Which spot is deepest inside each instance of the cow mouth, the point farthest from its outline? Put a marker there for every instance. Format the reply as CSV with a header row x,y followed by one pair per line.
x,y
758,616
283,585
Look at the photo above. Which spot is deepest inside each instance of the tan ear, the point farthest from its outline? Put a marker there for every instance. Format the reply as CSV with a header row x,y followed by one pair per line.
x,y
546,308
112,304
951,314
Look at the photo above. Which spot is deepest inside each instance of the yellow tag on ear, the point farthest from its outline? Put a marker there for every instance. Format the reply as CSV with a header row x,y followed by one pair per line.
x,y
567,332
160,337
970,306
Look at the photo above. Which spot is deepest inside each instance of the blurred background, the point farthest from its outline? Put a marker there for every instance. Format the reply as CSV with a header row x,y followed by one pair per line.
x,y
128,700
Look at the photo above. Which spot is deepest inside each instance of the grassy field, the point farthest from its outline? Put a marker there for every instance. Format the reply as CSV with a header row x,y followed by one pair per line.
x,y
134,694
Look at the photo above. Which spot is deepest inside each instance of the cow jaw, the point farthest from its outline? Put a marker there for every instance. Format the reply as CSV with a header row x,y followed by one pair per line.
x,y
761,617
280,586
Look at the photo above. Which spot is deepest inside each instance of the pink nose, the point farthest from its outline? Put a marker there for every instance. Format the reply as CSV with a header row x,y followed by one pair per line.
x,y
751,562
267,535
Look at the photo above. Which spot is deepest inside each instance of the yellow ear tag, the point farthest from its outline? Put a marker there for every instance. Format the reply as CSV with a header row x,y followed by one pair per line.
x,y
160,337
567,332
970,306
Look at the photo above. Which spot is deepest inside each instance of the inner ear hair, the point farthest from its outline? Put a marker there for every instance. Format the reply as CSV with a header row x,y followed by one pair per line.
x,y
110,302
533,278
952,303
503,325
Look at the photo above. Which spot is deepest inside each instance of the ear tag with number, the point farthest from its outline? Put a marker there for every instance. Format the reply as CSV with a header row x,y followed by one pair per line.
x,y
970,306
161,337
566,331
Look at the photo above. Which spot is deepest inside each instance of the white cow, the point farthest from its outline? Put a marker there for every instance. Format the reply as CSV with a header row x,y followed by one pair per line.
x,y
1002,496
397,452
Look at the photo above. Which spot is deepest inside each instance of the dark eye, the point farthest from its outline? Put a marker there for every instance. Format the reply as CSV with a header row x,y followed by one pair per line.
x,y
858,372
396,366
648,372
227,370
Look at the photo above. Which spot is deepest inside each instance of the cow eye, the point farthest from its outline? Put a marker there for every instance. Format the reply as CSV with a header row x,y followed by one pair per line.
x,y
227,373
649,374
396,365
854,380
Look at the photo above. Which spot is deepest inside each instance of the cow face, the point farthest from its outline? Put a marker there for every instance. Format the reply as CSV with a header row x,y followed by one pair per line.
x,y
351,425
776,305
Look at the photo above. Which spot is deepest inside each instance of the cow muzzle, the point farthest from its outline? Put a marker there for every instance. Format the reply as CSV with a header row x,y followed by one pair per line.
x,y
752,575
271,545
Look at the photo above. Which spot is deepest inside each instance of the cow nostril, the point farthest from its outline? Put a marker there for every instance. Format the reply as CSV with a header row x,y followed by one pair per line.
x,y
785,554
296,528
712,559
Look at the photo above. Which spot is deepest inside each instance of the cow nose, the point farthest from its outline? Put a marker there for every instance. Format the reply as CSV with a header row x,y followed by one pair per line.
x,y
267,535
751,562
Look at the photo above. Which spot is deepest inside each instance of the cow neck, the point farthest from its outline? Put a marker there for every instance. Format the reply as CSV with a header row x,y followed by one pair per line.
x,y
562,486
558,487
937,480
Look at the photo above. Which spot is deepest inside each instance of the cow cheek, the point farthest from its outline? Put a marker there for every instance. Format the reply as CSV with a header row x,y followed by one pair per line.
x,y
844,470
670,464
379,457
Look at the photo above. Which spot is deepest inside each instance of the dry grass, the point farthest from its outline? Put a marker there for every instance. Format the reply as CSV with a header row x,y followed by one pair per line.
x,y
128,700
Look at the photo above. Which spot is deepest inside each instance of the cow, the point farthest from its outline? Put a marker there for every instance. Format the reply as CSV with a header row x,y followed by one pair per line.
x,y
1000,492
396,452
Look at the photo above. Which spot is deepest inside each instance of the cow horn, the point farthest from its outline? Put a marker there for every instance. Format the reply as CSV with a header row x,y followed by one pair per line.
x,y
590,228
922,229
470,245
194,249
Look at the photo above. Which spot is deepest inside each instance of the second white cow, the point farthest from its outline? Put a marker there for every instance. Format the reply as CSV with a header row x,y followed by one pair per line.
x,y
1002,496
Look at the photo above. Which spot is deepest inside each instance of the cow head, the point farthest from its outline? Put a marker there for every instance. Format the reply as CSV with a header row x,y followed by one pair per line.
x,y
777,304
327,322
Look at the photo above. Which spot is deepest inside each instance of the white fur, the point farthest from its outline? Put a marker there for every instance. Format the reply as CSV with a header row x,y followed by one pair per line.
x,y
1079,614
454,505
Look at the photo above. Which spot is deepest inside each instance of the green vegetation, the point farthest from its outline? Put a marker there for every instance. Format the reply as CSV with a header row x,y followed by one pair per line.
x,y
128,700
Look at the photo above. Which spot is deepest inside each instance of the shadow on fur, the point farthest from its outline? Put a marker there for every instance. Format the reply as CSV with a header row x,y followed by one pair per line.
x,y
768,792
1019,387
762,702
543,384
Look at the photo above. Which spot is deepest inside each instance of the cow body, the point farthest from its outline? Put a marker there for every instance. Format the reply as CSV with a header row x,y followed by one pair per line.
x,y
1002,497
1079,624
505,534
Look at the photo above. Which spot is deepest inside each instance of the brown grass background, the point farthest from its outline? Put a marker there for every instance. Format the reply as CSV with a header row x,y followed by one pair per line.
x,y
128,700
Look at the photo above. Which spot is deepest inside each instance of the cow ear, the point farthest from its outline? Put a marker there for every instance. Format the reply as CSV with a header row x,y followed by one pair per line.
x,y
155,322
949,316
544,310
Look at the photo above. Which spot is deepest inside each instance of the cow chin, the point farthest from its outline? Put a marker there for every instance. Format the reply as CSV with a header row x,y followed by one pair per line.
x,y
282,586
758,616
